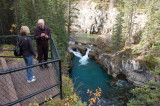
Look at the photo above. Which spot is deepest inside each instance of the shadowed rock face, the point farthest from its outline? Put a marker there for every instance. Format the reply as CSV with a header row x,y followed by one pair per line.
x,y
134,70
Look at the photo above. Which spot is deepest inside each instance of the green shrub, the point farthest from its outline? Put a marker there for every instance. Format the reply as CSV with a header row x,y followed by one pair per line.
x,y
150,61
70,98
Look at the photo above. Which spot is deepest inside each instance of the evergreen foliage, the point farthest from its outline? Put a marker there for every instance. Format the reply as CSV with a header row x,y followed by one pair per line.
x,y
148,44
6,17
70,15
117,33
129,9
146,96
27,12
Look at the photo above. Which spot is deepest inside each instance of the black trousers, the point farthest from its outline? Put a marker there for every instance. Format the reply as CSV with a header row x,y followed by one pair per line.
x,y
42,51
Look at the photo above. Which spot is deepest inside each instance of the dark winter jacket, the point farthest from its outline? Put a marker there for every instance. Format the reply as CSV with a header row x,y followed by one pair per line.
x,y
37,33
26,46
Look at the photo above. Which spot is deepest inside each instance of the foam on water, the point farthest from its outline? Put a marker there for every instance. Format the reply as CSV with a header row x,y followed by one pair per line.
x,y
83,59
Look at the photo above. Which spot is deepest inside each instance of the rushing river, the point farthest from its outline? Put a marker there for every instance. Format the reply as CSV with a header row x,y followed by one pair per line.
x,y
87,74
90,76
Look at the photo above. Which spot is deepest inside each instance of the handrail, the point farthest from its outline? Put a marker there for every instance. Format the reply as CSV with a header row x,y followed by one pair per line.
x,y
31,95
7,50
26,67
51,40
54,52
6,36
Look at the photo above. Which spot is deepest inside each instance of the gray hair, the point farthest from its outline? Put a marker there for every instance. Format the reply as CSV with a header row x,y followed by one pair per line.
x,y
41,21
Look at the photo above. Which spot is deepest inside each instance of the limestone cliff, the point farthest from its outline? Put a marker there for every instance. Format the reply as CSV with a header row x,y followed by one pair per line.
x,y
95,20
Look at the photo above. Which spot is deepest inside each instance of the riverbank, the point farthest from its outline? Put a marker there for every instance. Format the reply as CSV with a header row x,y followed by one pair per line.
x,y
123,63
87,74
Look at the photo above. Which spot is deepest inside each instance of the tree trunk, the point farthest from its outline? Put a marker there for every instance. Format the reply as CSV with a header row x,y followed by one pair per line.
x,y
16,15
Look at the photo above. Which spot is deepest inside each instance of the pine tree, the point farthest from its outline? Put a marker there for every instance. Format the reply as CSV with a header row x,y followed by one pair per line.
x,y
71,11
129,11
6,16
117,33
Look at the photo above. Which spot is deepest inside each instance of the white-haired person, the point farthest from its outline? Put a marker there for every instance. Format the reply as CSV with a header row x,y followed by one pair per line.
x,y
42,34
27,51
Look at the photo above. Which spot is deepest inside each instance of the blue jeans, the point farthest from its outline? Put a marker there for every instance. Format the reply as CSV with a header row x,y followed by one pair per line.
x,y
29,61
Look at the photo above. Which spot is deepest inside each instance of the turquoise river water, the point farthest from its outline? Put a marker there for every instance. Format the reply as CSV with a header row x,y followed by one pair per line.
x,y
92,76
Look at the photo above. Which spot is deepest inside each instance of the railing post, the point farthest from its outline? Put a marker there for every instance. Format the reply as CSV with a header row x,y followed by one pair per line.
x,y
51,49
60,79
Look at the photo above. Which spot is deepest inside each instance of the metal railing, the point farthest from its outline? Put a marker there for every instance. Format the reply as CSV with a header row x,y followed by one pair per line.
x,y
49,82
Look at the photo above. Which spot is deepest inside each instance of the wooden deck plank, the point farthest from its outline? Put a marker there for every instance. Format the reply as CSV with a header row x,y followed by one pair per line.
x,y
45,78
9,88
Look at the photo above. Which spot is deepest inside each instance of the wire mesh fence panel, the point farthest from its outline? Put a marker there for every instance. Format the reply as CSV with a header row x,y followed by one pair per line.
x,y
14,85
9,40
44,79
5,93
8,44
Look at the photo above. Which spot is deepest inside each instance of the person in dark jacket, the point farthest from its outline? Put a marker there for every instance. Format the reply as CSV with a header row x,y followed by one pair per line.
x,y
27,51
42,34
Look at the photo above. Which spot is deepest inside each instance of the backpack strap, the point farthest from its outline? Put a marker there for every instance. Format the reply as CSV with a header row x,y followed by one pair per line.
x,y
18,41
